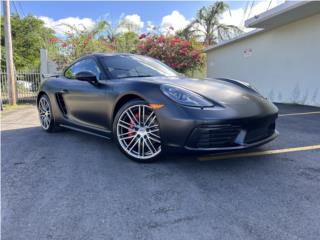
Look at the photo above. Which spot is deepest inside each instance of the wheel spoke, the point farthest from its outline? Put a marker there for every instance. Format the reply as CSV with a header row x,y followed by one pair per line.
x,y
128,137
128,128
46,106
47,121
139,147
152,120
41,105
151,144
123,122
124,134
149,117
150,149
139,114
154,130
154,139
133,116
129,117
153,135
135,143
143,115
132,140
142,147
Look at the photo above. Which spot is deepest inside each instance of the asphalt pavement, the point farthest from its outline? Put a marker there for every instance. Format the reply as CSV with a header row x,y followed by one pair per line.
x,y
69,185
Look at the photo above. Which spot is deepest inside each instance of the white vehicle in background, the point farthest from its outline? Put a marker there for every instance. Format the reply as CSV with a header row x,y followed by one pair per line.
x,y
24,85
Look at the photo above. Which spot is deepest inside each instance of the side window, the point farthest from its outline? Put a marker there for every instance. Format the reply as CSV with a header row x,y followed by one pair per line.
x,y
69,73
86,65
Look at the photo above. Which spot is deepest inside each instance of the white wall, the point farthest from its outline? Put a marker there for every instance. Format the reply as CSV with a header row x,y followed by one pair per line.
x,y
283,64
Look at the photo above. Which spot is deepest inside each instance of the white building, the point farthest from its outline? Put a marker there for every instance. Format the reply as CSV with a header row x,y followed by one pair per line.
x,y
281,58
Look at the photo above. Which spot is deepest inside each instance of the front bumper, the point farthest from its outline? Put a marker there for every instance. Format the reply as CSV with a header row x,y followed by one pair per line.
x,y
204,131
237,147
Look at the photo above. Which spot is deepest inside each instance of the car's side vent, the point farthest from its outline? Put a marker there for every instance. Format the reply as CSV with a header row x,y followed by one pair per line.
x,y
61,104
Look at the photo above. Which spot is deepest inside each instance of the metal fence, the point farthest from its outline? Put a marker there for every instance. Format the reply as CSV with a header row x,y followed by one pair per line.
x,y
27,86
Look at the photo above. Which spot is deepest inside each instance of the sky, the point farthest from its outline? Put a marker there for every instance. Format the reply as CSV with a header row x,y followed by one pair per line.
x,y
143,14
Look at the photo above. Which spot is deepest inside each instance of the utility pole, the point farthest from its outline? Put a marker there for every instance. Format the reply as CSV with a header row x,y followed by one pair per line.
x,y
9,56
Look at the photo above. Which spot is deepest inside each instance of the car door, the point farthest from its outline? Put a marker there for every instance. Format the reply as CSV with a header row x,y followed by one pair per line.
x,y
85,102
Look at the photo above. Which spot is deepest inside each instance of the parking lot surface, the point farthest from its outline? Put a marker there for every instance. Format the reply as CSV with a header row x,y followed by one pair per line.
x,y
69,185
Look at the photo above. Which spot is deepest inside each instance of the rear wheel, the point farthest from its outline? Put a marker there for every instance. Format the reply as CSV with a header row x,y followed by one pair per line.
x,y
45,114
137,131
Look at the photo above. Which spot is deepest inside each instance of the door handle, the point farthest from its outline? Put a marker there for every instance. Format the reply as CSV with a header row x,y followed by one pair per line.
x,y
64,91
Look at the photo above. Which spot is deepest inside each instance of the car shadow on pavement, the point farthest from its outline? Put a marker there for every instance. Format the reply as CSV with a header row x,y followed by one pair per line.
x,y
72,147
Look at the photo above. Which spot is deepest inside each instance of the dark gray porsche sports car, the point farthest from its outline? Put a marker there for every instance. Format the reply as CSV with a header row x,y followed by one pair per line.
x,y
148,108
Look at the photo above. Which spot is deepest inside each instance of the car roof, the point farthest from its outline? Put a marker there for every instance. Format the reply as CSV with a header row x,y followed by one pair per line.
x,y
107,54
99,55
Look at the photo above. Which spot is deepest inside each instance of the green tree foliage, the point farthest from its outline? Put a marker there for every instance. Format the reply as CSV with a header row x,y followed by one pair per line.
x,y
207,24
79,42
126,42
28,35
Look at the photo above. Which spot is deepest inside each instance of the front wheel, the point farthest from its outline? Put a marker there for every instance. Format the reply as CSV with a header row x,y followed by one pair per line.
x,y
137,131
45,114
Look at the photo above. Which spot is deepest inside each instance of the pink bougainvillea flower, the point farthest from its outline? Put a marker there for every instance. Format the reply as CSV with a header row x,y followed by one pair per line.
x,y
64,45
53,40
140,46
185,43
178,39
110,46
174,65
161,39
174,51
173,41
183,51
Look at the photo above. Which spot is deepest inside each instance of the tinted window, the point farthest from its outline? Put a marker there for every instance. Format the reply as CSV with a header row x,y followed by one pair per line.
x,y
125,66
86,65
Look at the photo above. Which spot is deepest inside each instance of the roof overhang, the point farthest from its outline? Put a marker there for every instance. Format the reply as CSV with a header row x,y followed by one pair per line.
x,y
281,15
236,39
284,14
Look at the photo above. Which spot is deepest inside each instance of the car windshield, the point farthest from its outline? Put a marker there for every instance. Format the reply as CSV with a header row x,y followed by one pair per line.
x,y
127,66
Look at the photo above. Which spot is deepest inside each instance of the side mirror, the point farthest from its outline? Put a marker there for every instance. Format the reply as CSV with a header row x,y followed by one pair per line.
x,y
86,76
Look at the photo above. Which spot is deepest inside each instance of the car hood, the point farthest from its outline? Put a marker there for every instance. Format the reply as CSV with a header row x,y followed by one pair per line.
x,y
217,90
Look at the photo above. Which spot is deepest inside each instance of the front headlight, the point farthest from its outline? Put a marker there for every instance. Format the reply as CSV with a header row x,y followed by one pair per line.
x,y
184,96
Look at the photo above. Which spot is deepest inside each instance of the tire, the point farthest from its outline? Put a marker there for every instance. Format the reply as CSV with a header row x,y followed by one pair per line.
x,y
45,114
137,132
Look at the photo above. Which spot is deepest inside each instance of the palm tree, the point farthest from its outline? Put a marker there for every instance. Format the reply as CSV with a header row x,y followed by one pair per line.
x,y
208,25
188,32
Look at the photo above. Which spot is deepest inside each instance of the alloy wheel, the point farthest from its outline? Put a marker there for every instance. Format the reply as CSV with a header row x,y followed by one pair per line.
x,y
44,113
138,132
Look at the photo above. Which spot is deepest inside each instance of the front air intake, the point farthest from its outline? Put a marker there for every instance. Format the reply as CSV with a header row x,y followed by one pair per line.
x,y
211,136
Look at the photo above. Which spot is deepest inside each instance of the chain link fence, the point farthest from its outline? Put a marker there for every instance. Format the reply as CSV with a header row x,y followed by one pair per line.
x,y
27,86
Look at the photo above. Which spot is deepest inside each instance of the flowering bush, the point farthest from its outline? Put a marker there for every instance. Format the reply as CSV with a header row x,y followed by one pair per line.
x,y
180,54
77,43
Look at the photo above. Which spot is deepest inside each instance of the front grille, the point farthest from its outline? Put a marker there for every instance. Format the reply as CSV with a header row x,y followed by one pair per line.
x,y
254,135
211,136
228,134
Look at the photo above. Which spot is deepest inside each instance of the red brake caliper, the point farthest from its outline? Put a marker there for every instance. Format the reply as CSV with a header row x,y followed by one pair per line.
x,y
132,125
